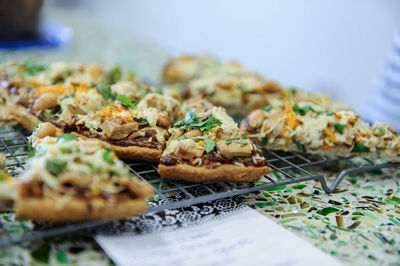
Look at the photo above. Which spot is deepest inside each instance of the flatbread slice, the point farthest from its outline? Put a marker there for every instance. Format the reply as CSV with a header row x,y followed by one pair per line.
x,y
307,127
232,86
135,126
206,145
71,180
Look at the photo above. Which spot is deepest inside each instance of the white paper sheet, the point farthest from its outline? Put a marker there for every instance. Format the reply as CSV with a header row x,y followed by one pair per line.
x,y
243,238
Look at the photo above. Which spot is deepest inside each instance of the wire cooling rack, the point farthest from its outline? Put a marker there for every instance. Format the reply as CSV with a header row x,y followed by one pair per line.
x,y
287,168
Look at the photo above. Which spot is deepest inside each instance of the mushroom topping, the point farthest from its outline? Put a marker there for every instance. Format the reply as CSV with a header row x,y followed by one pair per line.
x,y
45,101
163,120
116,131
256,118
75,109
188,149
46,129
193,133
234,148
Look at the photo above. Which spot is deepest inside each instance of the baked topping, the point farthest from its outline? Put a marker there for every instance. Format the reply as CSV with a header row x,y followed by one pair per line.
x,y
309,127
75,167
208,136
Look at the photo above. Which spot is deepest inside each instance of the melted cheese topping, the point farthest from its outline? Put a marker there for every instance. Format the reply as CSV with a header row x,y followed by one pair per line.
x,y
160,102
228,124
80,159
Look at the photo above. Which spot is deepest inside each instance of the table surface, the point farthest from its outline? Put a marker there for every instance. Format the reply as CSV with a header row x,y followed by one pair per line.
x,y
358,224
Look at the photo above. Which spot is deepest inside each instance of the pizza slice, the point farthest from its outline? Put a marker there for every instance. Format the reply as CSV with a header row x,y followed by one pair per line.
x,y
232,86
63,73
229,85
71,180
307,127
129,117
206,145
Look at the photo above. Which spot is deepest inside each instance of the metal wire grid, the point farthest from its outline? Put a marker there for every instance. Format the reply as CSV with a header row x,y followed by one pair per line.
x,y
287,168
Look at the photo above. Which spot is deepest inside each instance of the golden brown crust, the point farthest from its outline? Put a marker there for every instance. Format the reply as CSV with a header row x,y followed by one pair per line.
x,y
131,152
229,173
76,209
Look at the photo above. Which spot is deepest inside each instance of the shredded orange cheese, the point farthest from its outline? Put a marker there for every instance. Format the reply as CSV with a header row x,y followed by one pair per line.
x,y
326,147
58,89
331,134
291,118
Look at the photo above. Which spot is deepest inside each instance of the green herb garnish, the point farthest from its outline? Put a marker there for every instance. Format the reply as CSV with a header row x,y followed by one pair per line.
x,y
92,85
264,140
244,136
126,101
241,142
300,147
359,147
229,141
65,138
3,99
107,156
159,91
142,121
55,166
191,121
302,110
182,137
329,113
190,118
114,75
31,68
48,115
381,131
31,149
267,108
339,127
106,92
209,144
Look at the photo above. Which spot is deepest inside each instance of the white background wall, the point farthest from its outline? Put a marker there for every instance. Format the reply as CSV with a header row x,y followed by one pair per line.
x,y
336,47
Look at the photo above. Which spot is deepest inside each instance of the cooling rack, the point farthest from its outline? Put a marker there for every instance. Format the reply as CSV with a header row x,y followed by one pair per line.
x,y
286,168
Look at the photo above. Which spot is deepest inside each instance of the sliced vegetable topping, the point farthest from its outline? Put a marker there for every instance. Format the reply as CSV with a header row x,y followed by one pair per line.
x,y
182,137
55,166
339,127
191,121
108,156
106,92
114,75
303,110
209,145
65,138
264,140
126,101
359,147
267,108
300,147
31,68
142,121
